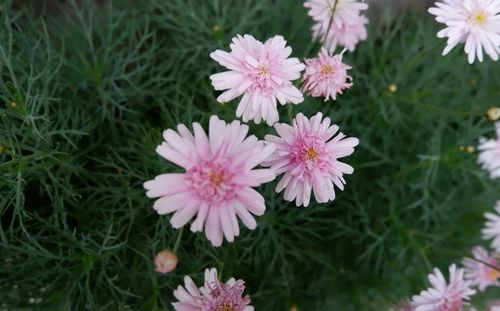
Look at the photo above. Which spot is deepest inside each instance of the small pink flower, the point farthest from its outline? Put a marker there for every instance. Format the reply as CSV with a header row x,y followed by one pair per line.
x,y
348,35
262,73
479,273
165,261
213,296
218,181
442,296
307,154
489,153
326,76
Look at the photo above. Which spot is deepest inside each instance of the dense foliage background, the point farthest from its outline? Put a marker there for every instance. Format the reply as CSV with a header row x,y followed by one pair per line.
x,y
85,92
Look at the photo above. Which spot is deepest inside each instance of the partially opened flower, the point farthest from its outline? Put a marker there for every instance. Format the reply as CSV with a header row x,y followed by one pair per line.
x,y
489,153
213,296
492,228
216,186
443,296
308,156
478,272
165,261
473,22
326,76
262,73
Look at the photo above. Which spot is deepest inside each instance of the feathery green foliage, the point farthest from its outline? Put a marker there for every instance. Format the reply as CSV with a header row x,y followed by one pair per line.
x,y
84,96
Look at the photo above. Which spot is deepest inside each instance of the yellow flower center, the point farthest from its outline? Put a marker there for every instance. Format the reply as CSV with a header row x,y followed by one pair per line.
x,y
225,307
326,69
478,18
493,274
216,178
311,154
263,71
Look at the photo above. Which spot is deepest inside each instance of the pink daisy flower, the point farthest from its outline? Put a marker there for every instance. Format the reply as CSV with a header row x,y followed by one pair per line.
x,y
475,22
479,273
345,11
262,73
348,36
307,155
326,76
489,153
165,261
217,184
443,296
213,296
492,228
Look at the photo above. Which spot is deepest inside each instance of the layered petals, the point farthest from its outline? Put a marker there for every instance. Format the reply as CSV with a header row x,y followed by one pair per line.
x,y
307,155
262,73
216,188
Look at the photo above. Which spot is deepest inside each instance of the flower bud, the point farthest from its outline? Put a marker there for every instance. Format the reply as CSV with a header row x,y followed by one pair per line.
x,y
165,261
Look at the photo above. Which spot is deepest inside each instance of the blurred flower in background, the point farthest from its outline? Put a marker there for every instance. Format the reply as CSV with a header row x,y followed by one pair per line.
x,y
478,272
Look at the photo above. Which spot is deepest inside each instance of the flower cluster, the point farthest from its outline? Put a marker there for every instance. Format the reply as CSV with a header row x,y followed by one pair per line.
x,y
222,168
263,74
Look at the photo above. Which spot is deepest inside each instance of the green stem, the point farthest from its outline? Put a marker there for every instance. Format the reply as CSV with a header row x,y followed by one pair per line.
x,y
485,263
330,22
178,241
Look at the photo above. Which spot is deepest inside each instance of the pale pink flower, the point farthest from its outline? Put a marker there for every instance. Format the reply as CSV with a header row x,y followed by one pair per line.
x,y
489,153
307,154
478,273
475,22
165,261
326,76
492,228
444,296
217,184
262,73
345,11
348,36
213,296
346,28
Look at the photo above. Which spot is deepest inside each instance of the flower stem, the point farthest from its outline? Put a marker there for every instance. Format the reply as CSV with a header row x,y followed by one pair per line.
x,y
330,22
485,263
178,241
